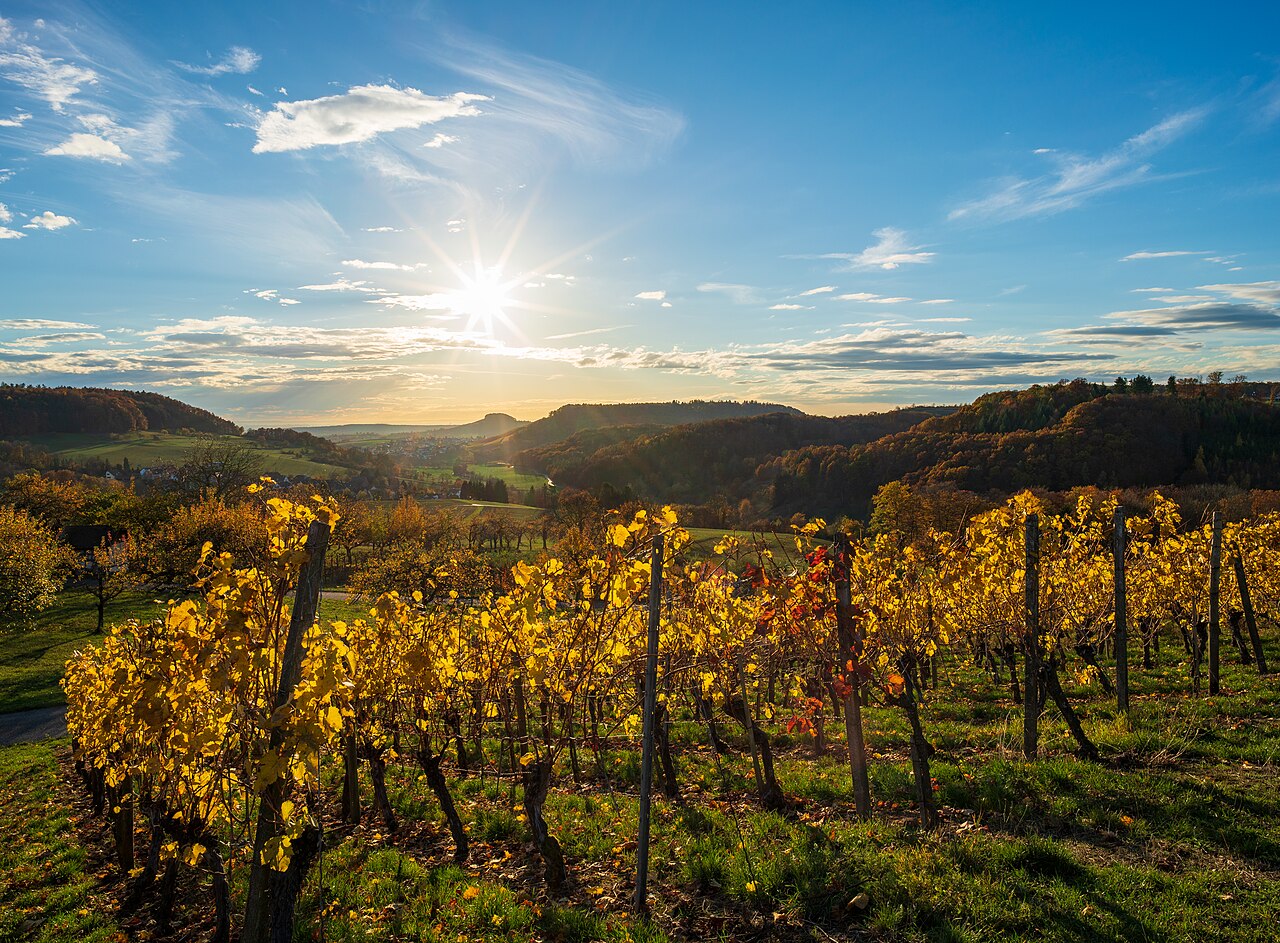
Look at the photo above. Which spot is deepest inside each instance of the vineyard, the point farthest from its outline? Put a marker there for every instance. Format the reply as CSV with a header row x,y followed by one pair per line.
x,y
232,744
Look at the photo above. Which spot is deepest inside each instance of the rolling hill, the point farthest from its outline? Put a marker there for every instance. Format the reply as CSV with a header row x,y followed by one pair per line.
x,y
494,424
1051,437
46,410
574,418
696,462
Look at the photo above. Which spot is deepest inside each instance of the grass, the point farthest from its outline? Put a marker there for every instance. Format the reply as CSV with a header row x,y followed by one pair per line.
x,y
31,659
145,449
1173,837
49,892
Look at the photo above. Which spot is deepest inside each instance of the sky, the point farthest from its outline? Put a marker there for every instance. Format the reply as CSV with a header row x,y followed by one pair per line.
x,y
323,212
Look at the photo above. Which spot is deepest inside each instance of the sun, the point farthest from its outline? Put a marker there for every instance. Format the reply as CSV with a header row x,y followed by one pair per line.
x,y
483,299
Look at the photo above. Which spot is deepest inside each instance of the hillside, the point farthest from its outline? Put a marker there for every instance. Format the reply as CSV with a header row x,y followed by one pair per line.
x,y
49,410
699,462
494,424
1052,437
567,420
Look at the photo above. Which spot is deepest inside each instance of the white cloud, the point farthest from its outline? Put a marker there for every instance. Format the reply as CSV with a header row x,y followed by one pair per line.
x,y
790,307
665,304
944,320
386,266
6,233
820,290
890,251
41,324
1076,178
51,78
739,294
1264,292
91,146
238,59
652,295
440,140
363,112
937,301
49,220
16,121
1167,254
871,298
381,229
290,301
341,284
6,215
253,91
64,337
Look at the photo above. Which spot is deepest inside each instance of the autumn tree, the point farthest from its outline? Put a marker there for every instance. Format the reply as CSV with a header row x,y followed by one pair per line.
x,y
33,566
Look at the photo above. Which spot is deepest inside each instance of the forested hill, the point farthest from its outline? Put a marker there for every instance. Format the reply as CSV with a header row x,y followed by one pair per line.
x,y
698,462
42,410
573,418
1054,437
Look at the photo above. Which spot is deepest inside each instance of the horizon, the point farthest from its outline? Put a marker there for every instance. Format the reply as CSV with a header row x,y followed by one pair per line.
x,y
423,216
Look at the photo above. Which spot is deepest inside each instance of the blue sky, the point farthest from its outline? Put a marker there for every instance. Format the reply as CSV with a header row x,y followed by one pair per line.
x,y
291,213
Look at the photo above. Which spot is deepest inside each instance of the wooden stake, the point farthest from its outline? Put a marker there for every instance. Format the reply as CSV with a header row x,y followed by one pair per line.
x,y
851,654
641,900
258,916
1215,620
1122,616
1031,681
1250,621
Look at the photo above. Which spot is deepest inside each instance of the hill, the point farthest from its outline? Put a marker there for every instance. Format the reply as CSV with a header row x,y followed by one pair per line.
x,y
574,418
48,410
1051,437
699,462
494,424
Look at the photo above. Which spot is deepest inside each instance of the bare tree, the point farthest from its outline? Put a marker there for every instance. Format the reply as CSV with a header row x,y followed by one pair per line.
x,y
218,467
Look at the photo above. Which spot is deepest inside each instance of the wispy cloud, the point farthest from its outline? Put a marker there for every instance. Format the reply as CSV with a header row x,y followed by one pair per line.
x,y
659,295
386,266
239,60
820,290
1164,254
1076,178
890,250
50,78
18,120
738,294
41,324
790,307
342,284
595,123
361,113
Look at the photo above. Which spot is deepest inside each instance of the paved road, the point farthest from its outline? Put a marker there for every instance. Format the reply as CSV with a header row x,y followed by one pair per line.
x,y
29,726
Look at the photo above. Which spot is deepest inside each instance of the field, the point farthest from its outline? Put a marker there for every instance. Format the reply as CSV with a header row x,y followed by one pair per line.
x,y
145,449
1173,837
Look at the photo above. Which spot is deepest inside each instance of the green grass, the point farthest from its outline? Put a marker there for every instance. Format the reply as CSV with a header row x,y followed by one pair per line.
x,y
48,889
144,449
507,473
31,659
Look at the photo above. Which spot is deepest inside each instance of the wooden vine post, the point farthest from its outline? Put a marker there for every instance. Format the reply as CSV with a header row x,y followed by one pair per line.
x,y
850,666
268,914
1031,680
1215,616
1122,615
641,902
1250,619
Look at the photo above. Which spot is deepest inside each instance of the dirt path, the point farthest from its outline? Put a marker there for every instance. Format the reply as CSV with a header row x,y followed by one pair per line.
x,y
29,726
